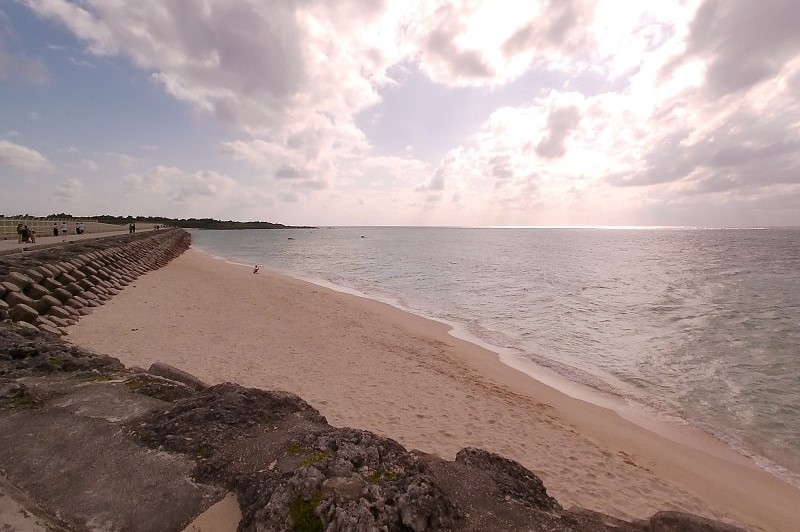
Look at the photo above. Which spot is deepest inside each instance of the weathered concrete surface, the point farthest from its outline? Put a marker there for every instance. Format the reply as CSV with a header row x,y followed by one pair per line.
x,y
93,445
63,442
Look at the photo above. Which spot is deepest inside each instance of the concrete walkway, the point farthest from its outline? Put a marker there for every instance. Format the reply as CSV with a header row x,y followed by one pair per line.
x,y
12,246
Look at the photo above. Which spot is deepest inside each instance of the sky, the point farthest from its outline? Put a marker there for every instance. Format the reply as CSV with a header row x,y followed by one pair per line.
x,y
413,112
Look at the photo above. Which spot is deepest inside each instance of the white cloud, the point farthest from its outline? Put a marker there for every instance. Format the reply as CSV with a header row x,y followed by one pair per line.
x,y
659,141
180,185
68,189
90,165
491,43
655,104
122,159
23,158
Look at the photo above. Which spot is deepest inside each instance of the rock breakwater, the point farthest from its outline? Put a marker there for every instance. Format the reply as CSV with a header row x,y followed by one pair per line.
x,y
91,441
50,289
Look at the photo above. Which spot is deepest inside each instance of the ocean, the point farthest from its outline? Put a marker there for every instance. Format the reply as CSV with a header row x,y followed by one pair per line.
x,y
692,326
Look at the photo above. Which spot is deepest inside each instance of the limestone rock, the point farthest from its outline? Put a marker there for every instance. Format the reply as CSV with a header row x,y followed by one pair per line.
x,y
170,372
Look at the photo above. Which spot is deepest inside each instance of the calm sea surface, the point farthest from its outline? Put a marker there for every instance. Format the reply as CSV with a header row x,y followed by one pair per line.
x,y
694,324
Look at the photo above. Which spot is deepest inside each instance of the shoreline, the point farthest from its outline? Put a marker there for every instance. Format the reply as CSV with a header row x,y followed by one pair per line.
x,y
665,425
407,377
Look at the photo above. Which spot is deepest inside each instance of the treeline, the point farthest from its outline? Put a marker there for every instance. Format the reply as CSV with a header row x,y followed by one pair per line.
x,y
192,223
187,223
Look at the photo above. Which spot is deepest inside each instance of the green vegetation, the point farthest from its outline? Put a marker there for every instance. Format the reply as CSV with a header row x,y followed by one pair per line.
x,y
186,223
294,450
203,451
192,223
57,362
316,457
134,384
25,402
30,398
377,476
303,516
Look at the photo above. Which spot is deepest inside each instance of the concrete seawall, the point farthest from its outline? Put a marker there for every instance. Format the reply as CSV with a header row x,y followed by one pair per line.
x,y
51,288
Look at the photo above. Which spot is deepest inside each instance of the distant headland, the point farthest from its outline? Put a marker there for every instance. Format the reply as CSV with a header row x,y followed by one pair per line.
x,y
186,223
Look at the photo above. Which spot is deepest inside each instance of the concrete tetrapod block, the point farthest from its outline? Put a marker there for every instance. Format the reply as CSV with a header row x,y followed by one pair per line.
x,y
73,288
36,291
58,312
23,312
19,279
46,302
61,294
18,298
10,287
34,275
50,283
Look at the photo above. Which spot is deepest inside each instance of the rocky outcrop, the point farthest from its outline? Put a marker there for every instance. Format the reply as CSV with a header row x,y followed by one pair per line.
x,y
52,288
174,448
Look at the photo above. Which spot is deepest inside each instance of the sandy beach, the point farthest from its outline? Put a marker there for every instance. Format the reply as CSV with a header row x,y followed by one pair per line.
x,y
367,365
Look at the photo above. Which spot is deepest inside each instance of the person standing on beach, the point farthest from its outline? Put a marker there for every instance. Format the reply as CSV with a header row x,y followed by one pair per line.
x,y
55,229
64,228
19,233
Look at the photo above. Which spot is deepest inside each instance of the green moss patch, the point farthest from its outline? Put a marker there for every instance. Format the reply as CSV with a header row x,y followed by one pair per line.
x,y
378,476
303,516
134,384
316,457
294,450
203,451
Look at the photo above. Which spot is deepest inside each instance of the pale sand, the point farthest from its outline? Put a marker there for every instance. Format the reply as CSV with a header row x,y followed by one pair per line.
x,y
367,365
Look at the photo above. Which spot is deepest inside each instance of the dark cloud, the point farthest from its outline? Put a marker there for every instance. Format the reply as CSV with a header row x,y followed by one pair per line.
x,y
256,51
288,172
743,42
559,27
436,184
745,153
437,181
467,63
560,124
309,141
500,167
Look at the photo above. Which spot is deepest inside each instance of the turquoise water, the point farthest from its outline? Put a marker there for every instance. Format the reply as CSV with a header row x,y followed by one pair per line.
x,y
700,325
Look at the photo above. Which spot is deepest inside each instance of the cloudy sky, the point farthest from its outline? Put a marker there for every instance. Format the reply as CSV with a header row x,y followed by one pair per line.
x,y
368,112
